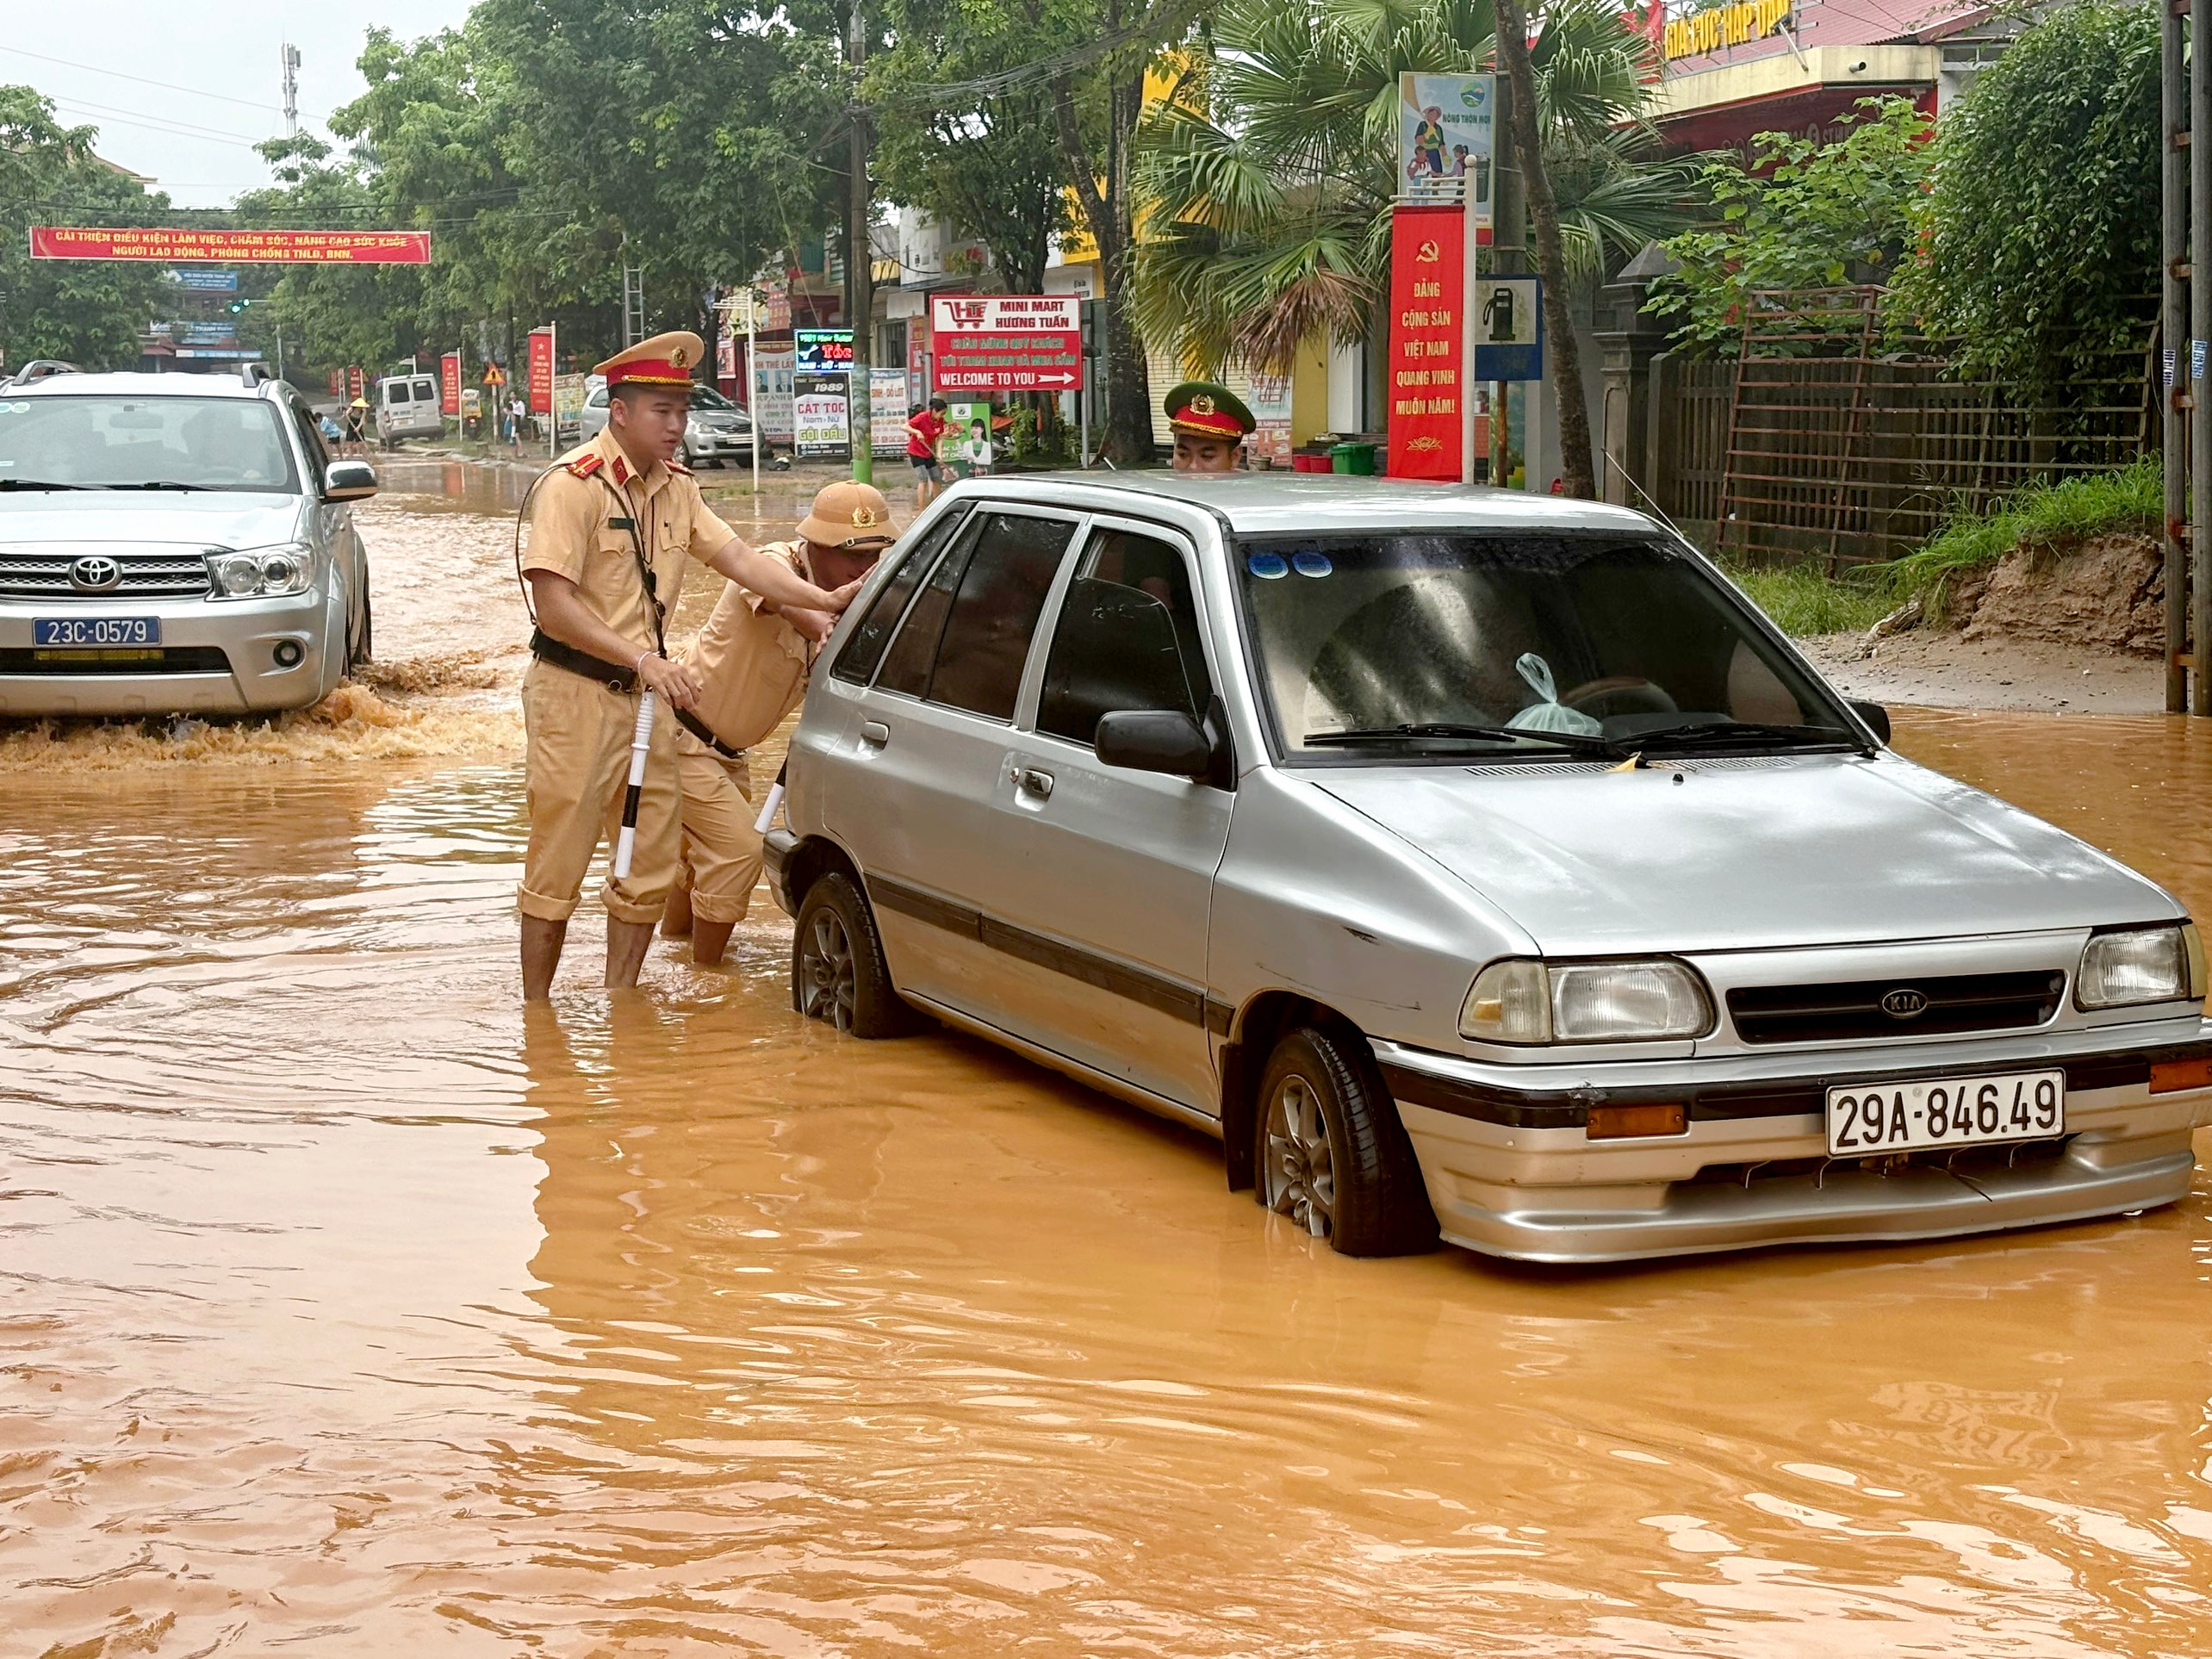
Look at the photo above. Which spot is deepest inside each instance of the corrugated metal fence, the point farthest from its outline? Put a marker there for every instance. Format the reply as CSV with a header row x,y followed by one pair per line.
x,y
1825,439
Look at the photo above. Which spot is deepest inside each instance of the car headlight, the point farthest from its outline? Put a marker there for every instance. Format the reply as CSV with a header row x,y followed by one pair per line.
x,y
261,572
1525,1001
2141,964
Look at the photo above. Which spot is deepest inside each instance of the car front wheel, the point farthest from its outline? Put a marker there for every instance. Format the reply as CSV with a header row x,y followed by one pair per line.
x,y
1332,1156
838,974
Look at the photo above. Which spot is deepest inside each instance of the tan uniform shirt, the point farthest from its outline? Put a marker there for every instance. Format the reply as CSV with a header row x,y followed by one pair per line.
x,y
576,532
751,664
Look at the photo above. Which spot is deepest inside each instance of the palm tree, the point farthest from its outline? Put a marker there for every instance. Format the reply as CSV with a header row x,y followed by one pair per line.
x,y
1267,215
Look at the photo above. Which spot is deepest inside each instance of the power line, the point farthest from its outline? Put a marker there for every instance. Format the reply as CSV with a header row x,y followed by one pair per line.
x,y
166,86
192,128
173,132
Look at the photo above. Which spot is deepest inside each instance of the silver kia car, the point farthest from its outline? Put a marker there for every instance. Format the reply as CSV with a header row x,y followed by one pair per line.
x,y
1471,863
174,544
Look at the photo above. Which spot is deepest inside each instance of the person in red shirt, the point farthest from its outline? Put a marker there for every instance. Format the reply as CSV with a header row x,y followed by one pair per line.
x,y
923,428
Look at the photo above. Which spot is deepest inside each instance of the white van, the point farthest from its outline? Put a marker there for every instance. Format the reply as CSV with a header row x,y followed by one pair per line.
x,y
407,406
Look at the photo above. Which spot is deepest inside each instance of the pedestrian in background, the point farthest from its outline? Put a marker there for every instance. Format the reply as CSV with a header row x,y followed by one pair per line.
x,y
924,427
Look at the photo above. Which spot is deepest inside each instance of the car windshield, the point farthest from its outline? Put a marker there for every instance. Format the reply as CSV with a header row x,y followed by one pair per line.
x,y
705,397
94,441
1388,645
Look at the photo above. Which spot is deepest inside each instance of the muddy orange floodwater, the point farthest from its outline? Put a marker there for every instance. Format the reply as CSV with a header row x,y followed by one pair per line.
x,y
345,1311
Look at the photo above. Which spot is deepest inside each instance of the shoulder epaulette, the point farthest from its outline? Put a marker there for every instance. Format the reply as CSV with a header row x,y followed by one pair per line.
x,y
678,468
585,465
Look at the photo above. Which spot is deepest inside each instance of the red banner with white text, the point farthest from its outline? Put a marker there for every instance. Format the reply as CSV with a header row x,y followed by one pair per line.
x,y
354,380
1427,341
173,245
541,371
449,383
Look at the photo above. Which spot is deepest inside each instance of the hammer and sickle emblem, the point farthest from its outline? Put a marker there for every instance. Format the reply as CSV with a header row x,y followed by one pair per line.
x,y
1428,253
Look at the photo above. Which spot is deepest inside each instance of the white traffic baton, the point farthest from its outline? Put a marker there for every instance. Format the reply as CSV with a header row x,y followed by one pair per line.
x,y
641,739
761,824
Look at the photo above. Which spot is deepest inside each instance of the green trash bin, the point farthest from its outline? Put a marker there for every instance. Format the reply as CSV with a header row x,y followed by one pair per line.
x,y
1357,459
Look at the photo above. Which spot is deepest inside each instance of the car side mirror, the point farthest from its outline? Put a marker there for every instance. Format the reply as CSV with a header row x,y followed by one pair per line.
x,y
1876,716
1154,740
349,481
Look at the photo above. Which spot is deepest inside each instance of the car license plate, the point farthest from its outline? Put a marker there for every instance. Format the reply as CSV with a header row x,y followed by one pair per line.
x,y
1943,1112
95,631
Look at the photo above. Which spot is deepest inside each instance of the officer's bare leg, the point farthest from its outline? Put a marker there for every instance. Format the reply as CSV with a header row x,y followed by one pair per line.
x,y
541,956
710,940
626,943
676,920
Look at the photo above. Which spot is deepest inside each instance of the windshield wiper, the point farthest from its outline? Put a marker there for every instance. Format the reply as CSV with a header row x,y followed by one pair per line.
x,y
1747,732
1579,743
35,483
158,483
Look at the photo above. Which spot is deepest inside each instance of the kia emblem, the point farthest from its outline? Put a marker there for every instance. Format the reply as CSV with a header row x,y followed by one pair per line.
x,y
1905,1003
96,573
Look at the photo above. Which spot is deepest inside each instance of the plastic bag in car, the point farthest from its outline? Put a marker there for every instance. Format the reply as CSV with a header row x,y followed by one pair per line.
x,y
1550,714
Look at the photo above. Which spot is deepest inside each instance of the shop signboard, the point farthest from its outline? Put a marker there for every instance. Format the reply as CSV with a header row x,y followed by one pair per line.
x,y
1508,328
819,416
1447,140
774,370
568,394
1427,273
985,343
206,282
823,350
888,407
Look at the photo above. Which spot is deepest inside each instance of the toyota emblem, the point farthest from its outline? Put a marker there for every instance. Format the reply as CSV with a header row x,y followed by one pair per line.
x,y
96,573
1905,1003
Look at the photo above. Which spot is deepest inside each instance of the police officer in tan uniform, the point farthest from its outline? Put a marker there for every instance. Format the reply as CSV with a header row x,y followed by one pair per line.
x,y
612,526
751,662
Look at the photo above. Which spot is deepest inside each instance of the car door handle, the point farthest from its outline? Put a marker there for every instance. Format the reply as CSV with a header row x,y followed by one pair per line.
x,y
1032,781
875,733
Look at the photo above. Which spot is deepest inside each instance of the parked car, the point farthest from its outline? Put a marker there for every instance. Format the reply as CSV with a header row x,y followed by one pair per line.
x,y
1468,862
717,430
173,543
37,370
407,406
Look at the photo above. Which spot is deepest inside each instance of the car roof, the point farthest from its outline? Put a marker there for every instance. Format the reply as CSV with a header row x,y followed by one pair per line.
x,y
137,385
1261,503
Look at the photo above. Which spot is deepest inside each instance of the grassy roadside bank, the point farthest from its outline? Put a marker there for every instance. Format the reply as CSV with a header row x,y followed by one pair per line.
x,y
2039,518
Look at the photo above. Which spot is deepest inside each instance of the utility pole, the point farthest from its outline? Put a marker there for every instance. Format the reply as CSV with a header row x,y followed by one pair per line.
x,y
291,89
860,269
633,297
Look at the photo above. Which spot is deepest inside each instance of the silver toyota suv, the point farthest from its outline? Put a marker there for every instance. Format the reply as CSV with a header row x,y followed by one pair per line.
x,y
1471,862
174,544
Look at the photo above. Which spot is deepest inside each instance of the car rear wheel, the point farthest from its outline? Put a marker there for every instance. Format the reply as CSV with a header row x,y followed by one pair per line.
x,y
362,645
838,974
1332,1156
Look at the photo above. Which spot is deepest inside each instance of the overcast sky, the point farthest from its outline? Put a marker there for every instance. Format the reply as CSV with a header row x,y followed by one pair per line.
x,y
219,73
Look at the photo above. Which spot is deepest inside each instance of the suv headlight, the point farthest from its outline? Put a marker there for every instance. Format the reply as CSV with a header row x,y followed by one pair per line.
x,y
2141,964
261,572
1526,1001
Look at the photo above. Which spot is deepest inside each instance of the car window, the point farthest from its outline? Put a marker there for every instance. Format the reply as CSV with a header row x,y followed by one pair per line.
x,y
705,397
1127,638
311,438
426,390
114,441
1588,633
597,400
864,650
994,615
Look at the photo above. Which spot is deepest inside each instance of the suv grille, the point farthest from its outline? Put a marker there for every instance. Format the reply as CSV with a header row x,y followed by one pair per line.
x,y
1962,1001
45,575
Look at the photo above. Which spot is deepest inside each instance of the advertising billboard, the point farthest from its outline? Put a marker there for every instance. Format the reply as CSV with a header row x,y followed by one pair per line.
x,y
1007,342
1447,141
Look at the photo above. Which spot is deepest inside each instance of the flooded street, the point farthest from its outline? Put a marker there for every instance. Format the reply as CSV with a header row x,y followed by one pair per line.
x,y
344,1308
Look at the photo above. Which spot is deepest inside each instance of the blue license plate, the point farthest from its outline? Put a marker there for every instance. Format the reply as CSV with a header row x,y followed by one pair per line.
x,y
95,631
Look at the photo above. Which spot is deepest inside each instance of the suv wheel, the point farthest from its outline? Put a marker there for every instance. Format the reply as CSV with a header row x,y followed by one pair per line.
x,y
838,974
1332,1156
362,645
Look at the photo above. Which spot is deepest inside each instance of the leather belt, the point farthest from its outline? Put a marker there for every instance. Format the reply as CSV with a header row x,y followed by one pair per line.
x,y
616,678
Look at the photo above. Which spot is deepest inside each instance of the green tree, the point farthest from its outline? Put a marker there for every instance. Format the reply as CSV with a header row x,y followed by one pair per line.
x,y
1802,215
2042,223
88,314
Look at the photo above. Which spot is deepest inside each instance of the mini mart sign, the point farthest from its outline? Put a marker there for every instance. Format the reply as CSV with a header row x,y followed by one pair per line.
x,y
1701,32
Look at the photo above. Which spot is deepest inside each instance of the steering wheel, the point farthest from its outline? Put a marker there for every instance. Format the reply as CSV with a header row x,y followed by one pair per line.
x,y
1639,695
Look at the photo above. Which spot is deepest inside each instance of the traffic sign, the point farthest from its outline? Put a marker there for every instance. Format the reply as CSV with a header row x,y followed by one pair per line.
x,y
1007,342
493,375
